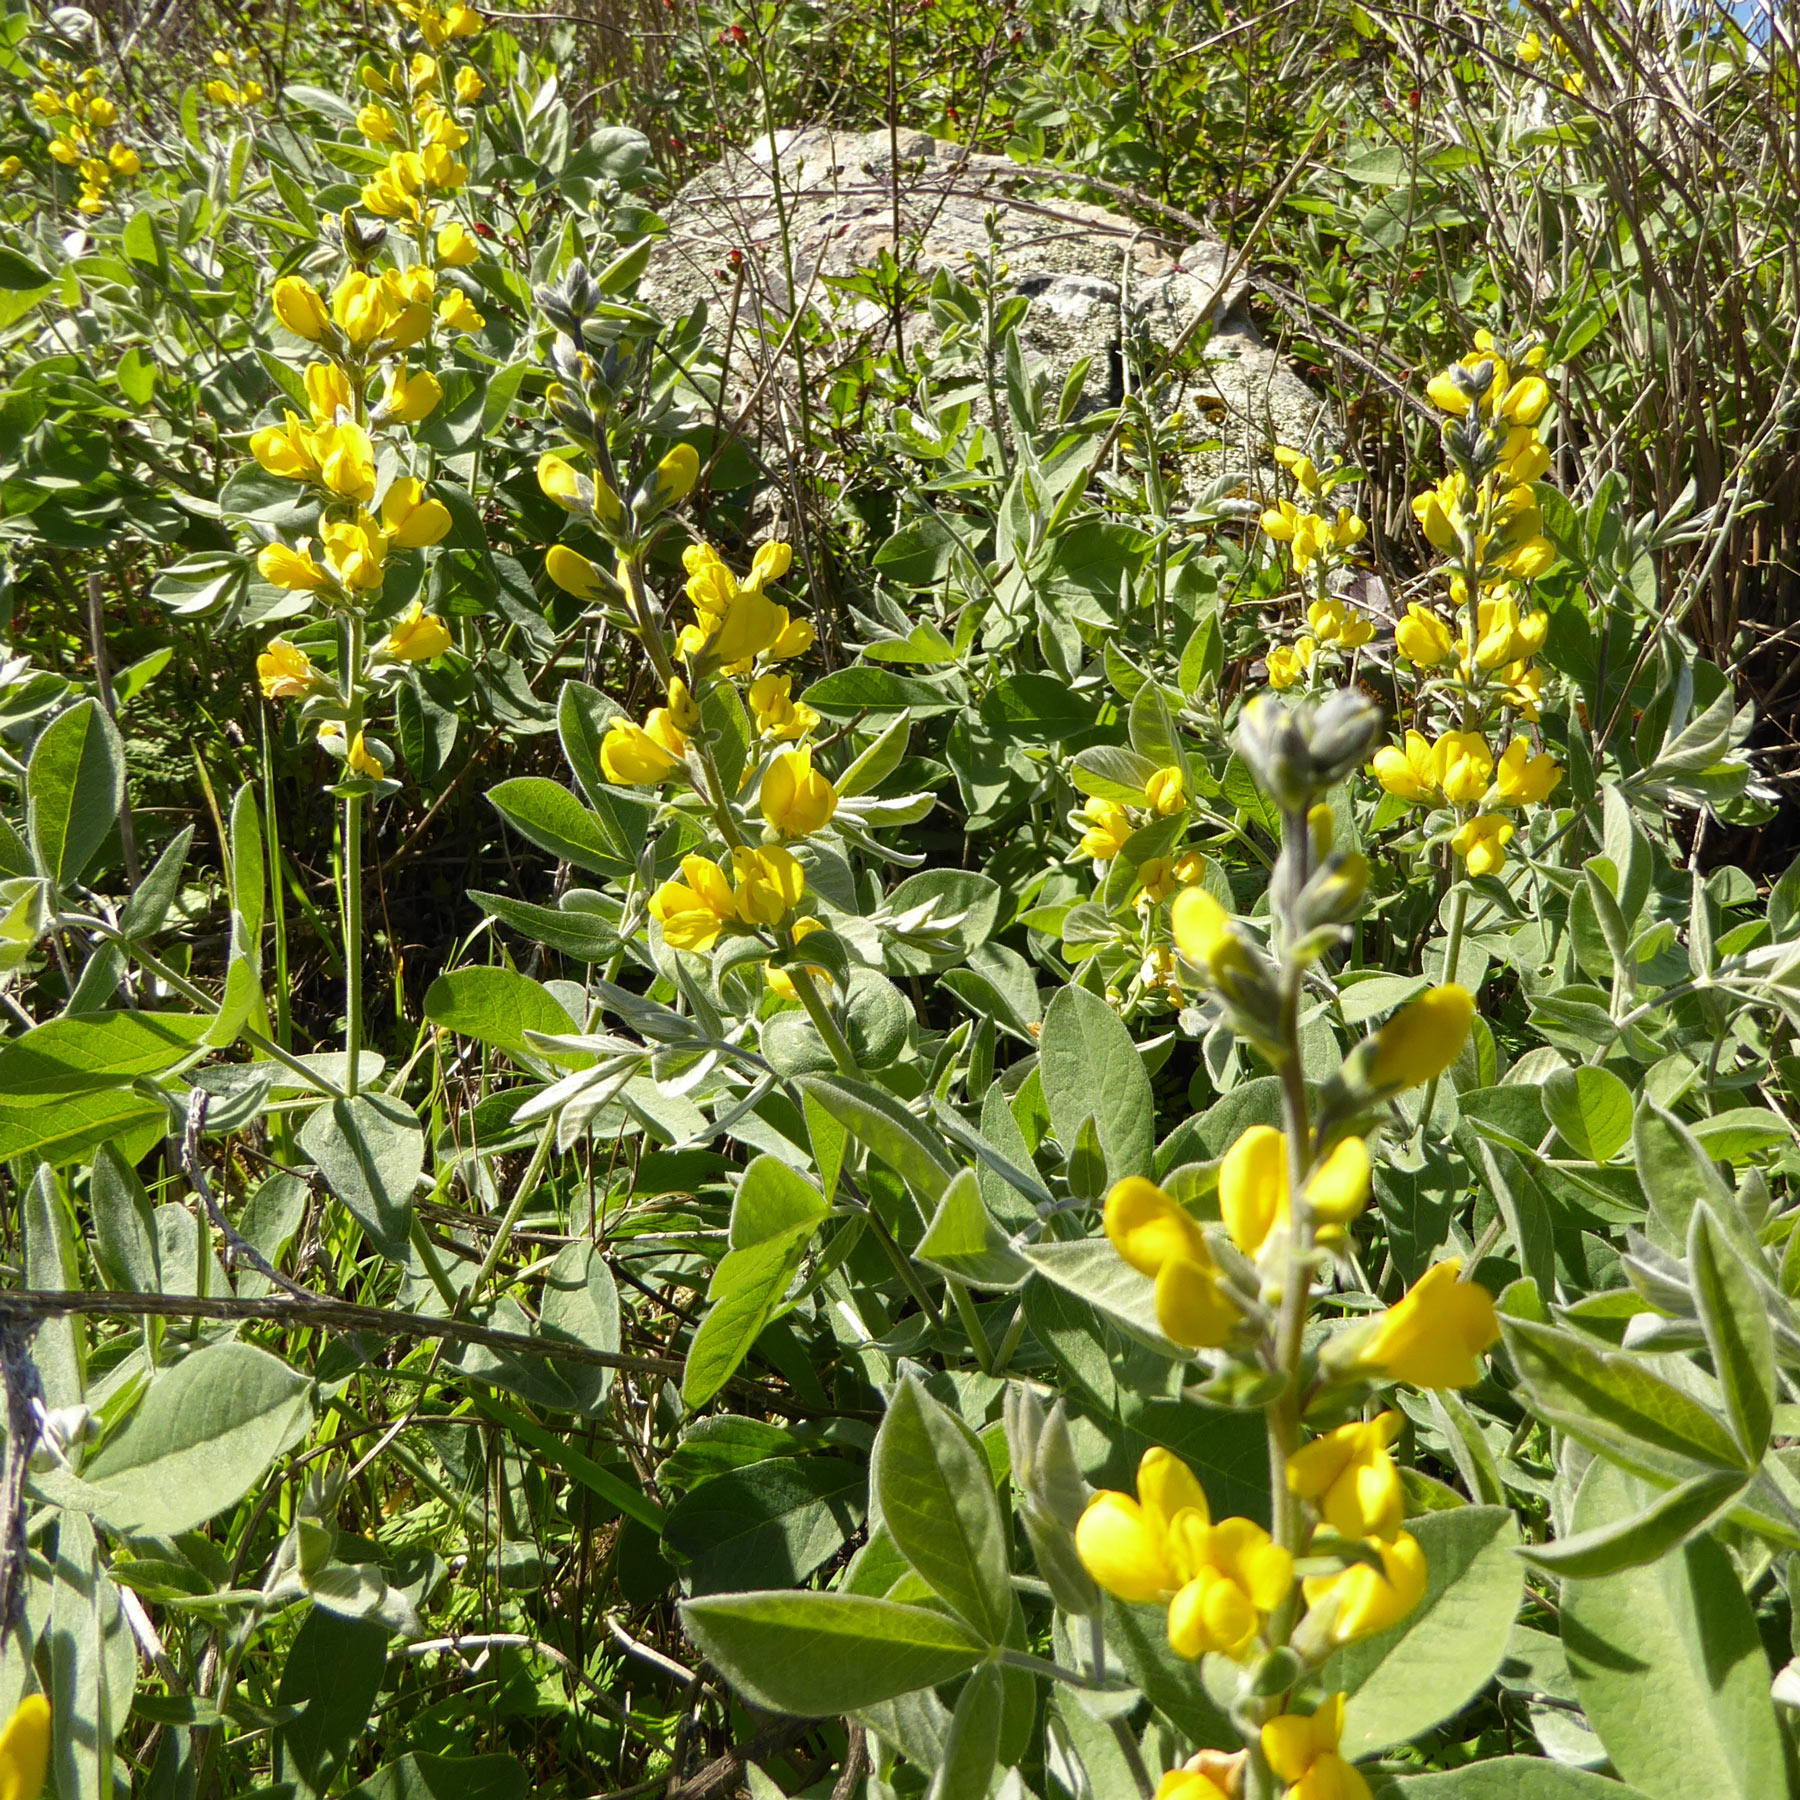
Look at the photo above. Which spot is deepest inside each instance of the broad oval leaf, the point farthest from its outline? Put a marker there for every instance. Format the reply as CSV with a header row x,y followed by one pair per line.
x,y
74,787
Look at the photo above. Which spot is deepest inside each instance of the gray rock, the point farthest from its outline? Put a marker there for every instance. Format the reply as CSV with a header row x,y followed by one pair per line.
x,y
1087,270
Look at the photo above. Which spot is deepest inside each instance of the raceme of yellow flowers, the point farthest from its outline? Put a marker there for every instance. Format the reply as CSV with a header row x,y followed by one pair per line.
x,y
1320,541
83,123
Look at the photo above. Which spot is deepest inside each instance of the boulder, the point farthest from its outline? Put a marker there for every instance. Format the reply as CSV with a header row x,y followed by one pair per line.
x,y
1092,275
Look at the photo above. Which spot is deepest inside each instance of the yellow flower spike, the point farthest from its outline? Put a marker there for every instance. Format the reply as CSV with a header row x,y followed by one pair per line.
x,y
300,307
1337,1191
328,392
415,636
360,760
1524,779
573,573
457,311
285,671
797,799
770,884
1408,772
25,1749
695,910
1366,1599
1304,1753
1164,793
1288,666
1436,1334
346,461
1147,1228
630,756
411,397
1481,843
294,570
1424,1038
1423,638
1236,1575
1108,826
411,520
1464,766
1253,1187
1351,1477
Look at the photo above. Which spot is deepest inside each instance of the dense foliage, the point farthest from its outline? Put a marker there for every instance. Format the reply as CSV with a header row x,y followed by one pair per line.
x,y
929,1100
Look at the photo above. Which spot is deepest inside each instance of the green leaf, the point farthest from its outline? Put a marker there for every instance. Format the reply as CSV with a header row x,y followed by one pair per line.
x,y
1615,1405
545,813
973,1742
1736,1322
1094,1272
848,693
768,1525
74,787
1639,1538
1669,1664
143,914
585,936
885,1127
371,1152
1140,1635
419,1776
84,1053
771,1201
200,1439
1591,1108
812,1655
580,1305
18,274
1090,1065
1409,1678
65,1131
964,1242
124,1226
499,1006
333,1673
1677,1174
1507,1778
1523,1207
936,1493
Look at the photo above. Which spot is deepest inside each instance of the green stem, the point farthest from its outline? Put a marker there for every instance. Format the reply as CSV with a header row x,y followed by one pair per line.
x,y
1459,906
971,1321
352,897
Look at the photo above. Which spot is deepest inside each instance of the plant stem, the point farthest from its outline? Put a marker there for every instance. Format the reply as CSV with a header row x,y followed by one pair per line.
x,y
1459,905
352,905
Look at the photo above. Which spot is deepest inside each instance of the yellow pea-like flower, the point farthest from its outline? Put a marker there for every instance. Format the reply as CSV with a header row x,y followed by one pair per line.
x,y
1408,771
1350,1476
1524,779
696,909
411,397
359,759
1424,1038
1253,1187
1364,1599
1207,938
457,311
1164,793
415,636
1304,1753
296,570
1481,843
300,307
328,392
469,86
797,799
1160,1239
1464,766
412,520
573,573
356,550
770,884
1436,1334
634,757
1108,826
25,1749
1288,663
285,671
346,461
1423,638
288,450
1236,1576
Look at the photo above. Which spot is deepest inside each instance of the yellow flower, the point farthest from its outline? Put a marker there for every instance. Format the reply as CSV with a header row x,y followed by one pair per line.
x,y
1423,638
1463,766
1530,48
1424,1038
411,398
376,123
1301,467
1524,779
797,800
1409,772
694,910
299,306
328,392
411,520
1337,1190
573,573
1124,1543
1304,1753
360,305
442,170
1159,1239
1441,512
1287,666
770,884
405,298
1524,403
1524,688
794,639
561,481
294,570
776,713
1206,937
355,549
457,247
9,167
1108,827
457,311
1254,1193
360,760
288,450
683,710
415,636
1351,1477
1280,521
1434,1336
1236,1576
675,478
346,461
125,159
1481,843
1363,1600
1190,1784
632,757
285,671
393,193
751,625
25,1750
1523,456
1334,623
469,86
1163,792
47,103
